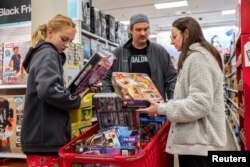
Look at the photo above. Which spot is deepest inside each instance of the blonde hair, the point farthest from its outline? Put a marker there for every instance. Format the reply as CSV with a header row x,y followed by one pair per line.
x,y
56,23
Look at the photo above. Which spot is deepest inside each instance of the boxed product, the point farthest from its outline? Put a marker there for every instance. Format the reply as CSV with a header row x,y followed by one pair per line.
x,y
81,118
135,89
92,72
95,15
110,31
1,62
149,126
108,107
13,55
74,63
86,42
11,116
86,4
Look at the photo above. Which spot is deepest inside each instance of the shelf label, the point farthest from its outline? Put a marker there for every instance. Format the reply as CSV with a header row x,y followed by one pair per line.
x,y
247,54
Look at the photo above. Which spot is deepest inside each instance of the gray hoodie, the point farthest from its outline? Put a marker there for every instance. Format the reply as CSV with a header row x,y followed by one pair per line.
x,y
46,123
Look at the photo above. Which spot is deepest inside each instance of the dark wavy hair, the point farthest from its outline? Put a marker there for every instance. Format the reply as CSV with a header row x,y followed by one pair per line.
x,y
195,35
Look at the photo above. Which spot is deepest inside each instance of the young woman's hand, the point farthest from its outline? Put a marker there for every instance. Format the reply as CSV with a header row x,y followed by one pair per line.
x,y
152,110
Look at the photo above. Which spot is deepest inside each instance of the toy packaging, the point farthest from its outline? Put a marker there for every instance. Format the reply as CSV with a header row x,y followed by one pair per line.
x,y
92,72
11,115
135,88
13,56
74,63
109,111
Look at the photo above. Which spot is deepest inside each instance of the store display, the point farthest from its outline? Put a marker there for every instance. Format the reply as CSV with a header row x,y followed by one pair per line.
x,y
94,46
110,20
121,33
14,54
109,111
1,62
103,25
11,115
86,47
86,5
135,88
81,118
92,72
95,15
74,61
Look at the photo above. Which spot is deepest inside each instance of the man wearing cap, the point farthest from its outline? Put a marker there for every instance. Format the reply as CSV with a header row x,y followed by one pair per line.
x,y
139,55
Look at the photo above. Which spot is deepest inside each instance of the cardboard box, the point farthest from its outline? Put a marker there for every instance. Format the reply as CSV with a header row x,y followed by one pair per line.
x,y
11,115
135,89
92,72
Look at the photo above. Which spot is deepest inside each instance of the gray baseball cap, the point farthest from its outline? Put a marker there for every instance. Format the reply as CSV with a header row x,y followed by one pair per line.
x,y
137,18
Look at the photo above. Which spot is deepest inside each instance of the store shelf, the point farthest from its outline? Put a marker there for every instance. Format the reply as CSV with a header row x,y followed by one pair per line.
x,y
233,115
240,87
236,105
234,137
241,112
239,62
84,32
243,138
232,90
12,155
230,75
231,57
13,86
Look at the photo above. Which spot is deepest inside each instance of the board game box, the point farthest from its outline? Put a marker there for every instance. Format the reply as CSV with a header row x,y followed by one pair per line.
x,y
135,89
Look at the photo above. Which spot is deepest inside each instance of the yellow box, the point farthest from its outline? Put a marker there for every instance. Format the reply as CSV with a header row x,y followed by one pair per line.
x,y
79,128
84,113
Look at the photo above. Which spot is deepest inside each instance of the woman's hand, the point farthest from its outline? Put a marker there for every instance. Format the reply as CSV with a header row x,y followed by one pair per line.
x,y
152,110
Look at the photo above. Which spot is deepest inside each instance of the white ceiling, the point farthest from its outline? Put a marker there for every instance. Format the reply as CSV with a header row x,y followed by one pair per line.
x,y
208,12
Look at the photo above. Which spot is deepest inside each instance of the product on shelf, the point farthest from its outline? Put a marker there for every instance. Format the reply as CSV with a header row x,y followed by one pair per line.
x,y
74,61
11,115
135,89
86,47
1,63
14,54
92,72
121,33
110,28
86,4
81,118
95,15
103,25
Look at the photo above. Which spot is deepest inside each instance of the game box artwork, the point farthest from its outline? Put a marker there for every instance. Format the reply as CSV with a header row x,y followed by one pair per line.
x,y
135,89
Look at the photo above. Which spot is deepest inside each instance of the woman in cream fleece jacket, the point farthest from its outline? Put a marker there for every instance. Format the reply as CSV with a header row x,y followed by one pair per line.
x,y
197,111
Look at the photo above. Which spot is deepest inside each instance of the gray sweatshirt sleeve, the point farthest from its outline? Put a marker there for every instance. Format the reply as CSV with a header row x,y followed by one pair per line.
x,y
50,86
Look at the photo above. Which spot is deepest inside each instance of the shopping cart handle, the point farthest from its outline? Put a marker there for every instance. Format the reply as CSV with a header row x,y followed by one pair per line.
x,y
109,158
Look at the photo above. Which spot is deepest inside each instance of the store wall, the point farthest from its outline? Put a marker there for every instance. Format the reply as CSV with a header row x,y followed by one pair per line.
x,y
43,11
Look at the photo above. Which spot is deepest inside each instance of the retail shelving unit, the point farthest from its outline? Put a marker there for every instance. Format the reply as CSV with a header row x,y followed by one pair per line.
x,y
243,72
231,98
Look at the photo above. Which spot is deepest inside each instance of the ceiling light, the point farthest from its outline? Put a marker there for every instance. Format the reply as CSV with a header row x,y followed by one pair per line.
x,y
125,22
227,12
152,36
170,5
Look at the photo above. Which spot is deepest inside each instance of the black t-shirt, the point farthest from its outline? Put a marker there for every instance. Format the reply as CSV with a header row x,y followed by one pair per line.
x,y
139,61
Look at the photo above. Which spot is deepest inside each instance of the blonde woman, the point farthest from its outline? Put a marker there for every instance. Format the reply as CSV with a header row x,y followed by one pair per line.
x,y
46,126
